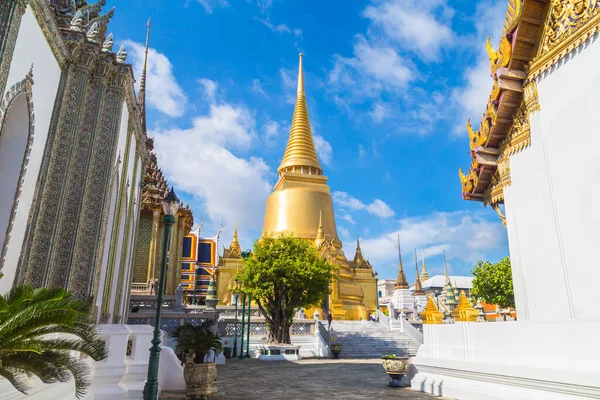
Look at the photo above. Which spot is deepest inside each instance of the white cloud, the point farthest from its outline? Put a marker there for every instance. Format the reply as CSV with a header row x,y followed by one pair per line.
x,y
465,236
257,87
279,28
200,161
373,68
210,89
163,93
271,129
413,25
344,232
380,111
298,33
209,5
348,218
361,152
324,150
377,207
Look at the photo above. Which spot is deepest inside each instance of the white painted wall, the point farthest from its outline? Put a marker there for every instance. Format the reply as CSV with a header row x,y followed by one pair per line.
x,y
556,193
31,49
13,144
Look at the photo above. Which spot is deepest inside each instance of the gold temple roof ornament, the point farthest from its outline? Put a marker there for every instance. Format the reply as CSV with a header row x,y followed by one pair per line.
x,y
498,135
234,250
300,154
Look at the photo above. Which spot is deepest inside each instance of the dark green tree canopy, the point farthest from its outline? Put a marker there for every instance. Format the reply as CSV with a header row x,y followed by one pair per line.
x,y
493,283
282,275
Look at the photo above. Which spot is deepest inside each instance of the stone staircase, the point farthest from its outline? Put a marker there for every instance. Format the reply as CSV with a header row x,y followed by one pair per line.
x,y
371,339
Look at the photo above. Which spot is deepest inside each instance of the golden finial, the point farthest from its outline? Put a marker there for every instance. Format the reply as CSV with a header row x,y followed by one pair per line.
x,y
300,155
320,232
401,283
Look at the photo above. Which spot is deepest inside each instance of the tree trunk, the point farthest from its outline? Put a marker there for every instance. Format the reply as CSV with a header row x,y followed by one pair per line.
x,y
279,332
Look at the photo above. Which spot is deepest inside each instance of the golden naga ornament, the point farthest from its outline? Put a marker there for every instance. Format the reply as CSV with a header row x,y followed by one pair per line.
x,y
498,58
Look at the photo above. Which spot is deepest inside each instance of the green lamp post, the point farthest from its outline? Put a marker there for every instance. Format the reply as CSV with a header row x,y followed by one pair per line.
x,y
170,207
248,337
236,297
242,335
377,288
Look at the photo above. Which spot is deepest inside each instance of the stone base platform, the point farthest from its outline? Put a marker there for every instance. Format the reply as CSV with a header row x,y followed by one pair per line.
x,y
520,360
278,352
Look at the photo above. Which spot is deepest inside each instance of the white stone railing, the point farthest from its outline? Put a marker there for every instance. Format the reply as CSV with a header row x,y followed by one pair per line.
x,y
322,339
384,319
407,328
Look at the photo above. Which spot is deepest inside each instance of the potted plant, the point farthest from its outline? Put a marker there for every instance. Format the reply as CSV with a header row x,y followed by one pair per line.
x,y
335,347
396,368
196,343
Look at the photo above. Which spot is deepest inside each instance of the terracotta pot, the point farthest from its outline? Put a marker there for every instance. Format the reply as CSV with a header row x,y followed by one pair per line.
x,y
200,379
396,366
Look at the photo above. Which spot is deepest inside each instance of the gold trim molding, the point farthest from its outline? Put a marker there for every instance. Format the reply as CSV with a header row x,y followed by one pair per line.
x,y
570,24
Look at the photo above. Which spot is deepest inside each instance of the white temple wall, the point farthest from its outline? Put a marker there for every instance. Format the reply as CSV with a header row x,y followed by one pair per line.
x,y
31,48
570,122
552,206
533,238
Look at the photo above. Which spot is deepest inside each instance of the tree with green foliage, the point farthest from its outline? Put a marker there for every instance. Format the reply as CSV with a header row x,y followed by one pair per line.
x,y
282,275
38,330
493,283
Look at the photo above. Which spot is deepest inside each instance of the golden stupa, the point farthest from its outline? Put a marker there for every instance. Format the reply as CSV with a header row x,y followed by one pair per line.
x,y
301,205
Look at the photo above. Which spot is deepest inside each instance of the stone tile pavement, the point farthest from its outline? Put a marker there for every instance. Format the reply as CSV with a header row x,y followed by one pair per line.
x,y
310,379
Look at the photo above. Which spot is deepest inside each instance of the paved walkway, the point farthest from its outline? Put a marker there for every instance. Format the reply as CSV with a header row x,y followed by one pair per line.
x,y
307,379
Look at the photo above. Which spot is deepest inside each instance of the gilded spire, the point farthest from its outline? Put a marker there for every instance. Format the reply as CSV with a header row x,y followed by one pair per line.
x,y
142,92
358,255
424,274
235,241
418,287
320,232
300,155
401,283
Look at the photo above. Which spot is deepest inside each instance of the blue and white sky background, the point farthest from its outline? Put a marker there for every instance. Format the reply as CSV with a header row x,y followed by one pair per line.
x,y
389,83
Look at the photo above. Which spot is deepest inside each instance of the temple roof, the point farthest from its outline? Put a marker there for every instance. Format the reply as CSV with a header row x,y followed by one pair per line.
x,y
401,282
300,154
439,281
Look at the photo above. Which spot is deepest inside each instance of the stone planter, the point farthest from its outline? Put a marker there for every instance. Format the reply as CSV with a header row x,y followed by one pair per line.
x,y
200,379
335,349
396,368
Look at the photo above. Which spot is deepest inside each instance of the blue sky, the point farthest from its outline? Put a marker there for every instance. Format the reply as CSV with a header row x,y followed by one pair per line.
x,y
390,85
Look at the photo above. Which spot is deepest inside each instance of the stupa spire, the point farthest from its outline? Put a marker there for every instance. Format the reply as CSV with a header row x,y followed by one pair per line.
x,y
424,274
401,283
418,287
142,92
446,266
300,154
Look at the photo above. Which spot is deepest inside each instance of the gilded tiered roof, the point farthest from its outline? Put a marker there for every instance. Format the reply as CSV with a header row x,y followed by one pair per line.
x,y
300,155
